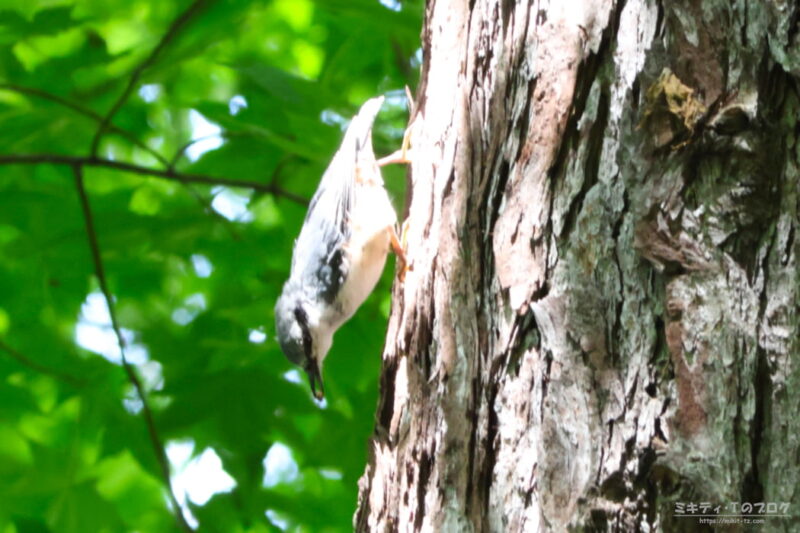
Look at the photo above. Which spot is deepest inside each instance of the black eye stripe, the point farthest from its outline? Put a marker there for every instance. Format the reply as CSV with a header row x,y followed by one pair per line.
x,y
302,319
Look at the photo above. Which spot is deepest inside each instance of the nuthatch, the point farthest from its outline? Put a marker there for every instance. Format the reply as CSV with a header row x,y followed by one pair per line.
x,y
341,250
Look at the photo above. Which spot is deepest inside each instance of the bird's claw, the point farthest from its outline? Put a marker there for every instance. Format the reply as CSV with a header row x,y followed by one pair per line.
x,y
403,156
399,248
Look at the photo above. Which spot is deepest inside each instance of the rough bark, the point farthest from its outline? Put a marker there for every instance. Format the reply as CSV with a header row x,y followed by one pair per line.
x,y
601,319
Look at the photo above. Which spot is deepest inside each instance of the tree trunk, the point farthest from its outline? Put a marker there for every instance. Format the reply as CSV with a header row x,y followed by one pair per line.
x,y
601,320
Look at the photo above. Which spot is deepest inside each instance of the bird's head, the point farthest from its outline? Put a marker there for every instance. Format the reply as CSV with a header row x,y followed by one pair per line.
x,y
303,339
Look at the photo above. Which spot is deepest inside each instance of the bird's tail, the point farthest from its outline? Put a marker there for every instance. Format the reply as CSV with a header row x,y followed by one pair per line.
x,y
359,132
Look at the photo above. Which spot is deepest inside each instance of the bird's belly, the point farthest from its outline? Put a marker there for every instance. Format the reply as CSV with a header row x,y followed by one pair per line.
x,y
372,217
366,267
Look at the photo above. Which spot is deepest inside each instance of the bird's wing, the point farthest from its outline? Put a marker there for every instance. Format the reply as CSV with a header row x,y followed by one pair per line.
x,y
326,228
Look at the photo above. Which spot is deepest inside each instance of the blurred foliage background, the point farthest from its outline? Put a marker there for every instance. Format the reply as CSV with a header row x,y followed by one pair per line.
x,y
155,109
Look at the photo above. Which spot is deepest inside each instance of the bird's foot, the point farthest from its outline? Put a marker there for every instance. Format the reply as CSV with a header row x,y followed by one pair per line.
x,y
400,157
403,156
399,248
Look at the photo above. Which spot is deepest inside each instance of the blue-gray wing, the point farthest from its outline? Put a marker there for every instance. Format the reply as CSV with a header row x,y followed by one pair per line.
x,y
319,257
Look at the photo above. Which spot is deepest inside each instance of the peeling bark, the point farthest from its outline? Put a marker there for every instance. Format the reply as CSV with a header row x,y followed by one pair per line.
x,y
602,316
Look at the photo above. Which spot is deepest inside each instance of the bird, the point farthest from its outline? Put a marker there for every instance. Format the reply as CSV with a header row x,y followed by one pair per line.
x,y
340,252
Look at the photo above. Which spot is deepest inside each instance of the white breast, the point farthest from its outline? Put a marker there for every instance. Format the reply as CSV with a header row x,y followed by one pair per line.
x,y
372,217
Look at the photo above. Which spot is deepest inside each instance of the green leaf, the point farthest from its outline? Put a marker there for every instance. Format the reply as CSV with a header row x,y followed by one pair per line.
x,y
14,26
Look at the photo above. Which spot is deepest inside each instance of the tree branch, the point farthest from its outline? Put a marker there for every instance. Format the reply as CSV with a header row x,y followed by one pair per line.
x,y
170,165
56,159
99,271
30,363
168,37
44,95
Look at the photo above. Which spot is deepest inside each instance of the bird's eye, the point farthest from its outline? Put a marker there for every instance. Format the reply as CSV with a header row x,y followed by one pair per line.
x,y
302,319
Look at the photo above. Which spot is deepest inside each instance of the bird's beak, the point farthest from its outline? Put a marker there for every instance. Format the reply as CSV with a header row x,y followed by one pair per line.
x,y
315,380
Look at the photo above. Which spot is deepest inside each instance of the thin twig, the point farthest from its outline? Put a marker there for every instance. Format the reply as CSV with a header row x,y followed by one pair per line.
x,y
182,150
276,172
170,34
44,95
227,135
30,363
69,160
99,271
209,208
